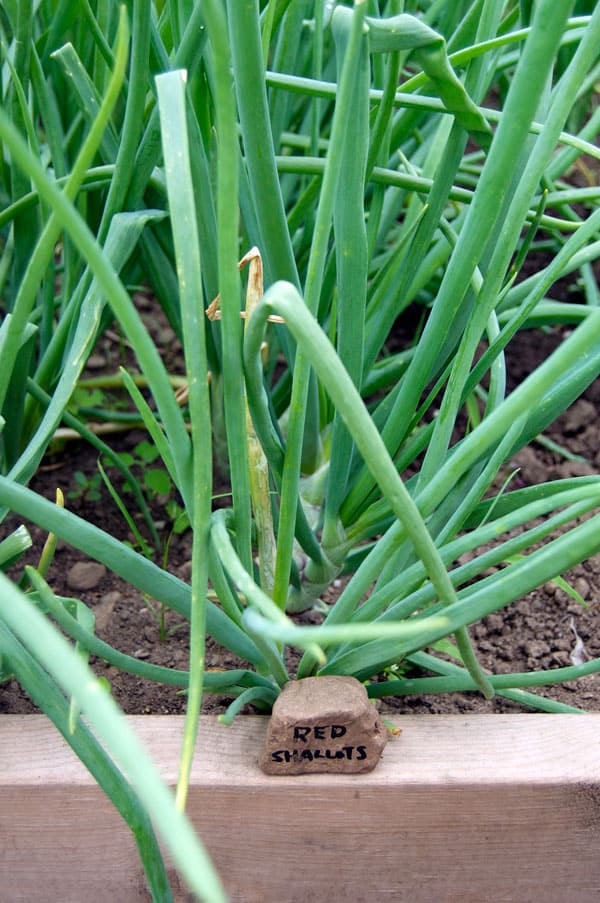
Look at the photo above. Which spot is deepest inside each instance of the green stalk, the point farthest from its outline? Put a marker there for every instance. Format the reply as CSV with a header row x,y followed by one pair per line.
x,y
229,281
314,281
253,593
171,100
334,634
425,186
351,263
253,695
247,59
103,53
260,489
134,113
460,683
87,96
13,546
27,224
148,153
214,682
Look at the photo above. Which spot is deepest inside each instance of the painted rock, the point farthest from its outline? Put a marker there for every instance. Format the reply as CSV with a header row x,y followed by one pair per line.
x,y
323,724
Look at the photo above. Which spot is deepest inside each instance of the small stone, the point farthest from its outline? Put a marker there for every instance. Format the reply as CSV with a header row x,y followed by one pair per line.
x,y
494,623
96,362
104,610
577,469
582,587
141,301
165,335
323,724
537,648
579,415
184,571
85,575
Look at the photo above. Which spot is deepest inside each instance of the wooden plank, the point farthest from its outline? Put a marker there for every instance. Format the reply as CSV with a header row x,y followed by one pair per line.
x,y
474,808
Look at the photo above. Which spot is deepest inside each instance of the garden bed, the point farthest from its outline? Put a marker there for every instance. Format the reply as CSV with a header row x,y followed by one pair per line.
x,y
383,438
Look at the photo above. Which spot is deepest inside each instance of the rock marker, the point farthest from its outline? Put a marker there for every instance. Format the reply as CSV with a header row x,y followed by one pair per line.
x,y
323,724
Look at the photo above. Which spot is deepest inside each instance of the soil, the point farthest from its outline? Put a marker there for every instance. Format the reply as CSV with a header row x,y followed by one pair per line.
x,y
546,629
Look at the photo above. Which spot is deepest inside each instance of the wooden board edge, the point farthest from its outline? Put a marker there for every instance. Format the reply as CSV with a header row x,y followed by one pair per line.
x,y
475,807
430,749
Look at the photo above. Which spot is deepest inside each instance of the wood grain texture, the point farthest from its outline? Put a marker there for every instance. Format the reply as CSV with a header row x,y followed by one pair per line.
x,y
475,808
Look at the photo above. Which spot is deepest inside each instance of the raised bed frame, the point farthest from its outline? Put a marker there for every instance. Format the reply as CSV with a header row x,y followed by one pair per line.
x,y
474,808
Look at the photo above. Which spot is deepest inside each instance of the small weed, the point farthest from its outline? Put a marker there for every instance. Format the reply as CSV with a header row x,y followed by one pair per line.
x,y
155,481
86,488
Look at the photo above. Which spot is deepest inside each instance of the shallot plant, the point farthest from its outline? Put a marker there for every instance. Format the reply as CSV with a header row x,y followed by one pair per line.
x,y
347,213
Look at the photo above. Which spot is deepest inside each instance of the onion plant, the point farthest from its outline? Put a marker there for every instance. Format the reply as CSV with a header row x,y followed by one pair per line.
x,y
371,165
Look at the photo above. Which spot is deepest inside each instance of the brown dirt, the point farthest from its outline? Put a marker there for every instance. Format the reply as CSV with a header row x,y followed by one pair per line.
x,y
540,631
